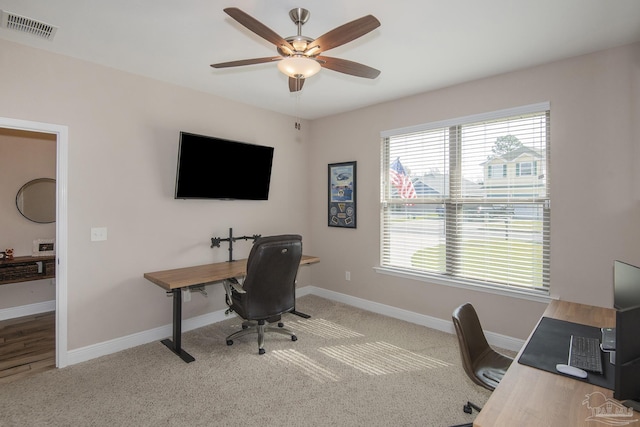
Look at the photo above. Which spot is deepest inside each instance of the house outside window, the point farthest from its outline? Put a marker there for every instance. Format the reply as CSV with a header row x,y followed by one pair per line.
x,y
479,210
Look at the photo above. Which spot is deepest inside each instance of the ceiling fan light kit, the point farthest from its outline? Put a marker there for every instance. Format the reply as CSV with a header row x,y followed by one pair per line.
x,y
299,67
299,55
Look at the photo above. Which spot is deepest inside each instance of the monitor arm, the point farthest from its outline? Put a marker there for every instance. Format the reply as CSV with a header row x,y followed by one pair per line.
x,y
215,241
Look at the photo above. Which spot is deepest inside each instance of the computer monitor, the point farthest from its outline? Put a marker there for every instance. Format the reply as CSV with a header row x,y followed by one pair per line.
x,y
626,285
627,376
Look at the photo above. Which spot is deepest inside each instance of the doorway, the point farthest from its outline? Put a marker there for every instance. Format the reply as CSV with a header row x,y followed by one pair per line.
x,y
61,133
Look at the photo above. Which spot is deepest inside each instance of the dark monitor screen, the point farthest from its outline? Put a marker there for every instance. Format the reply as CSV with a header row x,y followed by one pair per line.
x,y
627,381
626,285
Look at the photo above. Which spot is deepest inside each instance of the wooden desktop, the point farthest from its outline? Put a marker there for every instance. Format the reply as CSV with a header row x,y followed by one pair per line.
x,y
528,396
175,280
190,276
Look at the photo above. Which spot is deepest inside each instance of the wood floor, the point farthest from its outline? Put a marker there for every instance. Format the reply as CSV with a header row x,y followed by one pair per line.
x,y
27,346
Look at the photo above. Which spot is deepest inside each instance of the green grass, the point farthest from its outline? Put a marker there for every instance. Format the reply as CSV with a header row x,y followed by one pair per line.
x,y
485,260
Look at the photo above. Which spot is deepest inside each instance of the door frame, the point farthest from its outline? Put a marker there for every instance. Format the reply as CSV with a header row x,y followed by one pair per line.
x,y
62,159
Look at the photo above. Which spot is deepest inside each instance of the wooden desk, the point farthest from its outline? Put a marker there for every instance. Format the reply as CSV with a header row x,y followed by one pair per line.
x,y
174,280
531,397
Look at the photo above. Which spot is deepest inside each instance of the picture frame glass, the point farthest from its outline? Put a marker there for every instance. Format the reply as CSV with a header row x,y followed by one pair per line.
x,y
342,195
43,247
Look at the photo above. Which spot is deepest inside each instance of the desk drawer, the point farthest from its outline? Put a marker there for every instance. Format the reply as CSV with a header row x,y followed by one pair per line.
x,y
16,272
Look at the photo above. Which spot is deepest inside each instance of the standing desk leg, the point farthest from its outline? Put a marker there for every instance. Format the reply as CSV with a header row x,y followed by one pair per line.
x,y
176,344
297,313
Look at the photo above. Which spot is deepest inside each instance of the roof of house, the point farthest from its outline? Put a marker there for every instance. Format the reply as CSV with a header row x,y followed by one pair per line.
x,y
514,154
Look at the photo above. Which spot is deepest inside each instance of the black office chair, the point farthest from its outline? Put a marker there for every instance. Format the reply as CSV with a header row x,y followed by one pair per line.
x,y
483,364
268,289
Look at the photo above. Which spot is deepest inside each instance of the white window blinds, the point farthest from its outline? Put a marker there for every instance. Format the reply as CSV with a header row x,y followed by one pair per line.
x,y
468,199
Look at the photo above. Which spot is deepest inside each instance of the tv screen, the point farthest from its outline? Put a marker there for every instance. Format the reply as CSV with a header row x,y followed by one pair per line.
x,y
215,168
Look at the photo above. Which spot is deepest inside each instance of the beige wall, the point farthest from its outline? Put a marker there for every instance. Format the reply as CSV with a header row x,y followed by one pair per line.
x,y
123,134
595,185
23,156
123,142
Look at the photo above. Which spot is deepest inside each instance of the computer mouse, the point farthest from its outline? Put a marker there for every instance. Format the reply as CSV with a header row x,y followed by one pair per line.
x,y
571,370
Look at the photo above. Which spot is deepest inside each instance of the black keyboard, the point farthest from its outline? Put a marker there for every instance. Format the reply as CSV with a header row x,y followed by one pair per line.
x,y
584,353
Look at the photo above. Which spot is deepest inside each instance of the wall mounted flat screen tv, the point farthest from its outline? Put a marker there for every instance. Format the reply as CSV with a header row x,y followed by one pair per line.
x,y
215,168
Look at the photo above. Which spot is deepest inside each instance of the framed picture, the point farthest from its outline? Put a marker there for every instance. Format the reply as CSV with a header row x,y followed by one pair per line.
x,y
44,247
342,195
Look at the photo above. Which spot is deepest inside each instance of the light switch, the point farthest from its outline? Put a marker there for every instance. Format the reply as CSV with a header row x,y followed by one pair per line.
x,y
98,234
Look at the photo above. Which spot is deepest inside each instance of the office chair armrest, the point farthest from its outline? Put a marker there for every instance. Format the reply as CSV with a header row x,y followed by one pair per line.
x,y
230,286
233,283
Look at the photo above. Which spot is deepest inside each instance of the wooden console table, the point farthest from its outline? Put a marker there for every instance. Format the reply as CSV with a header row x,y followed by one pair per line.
x,y
26,268
175,280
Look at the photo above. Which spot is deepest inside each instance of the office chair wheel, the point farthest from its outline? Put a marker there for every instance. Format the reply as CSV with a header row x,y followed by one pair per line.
x,y
469,407
229,342
294,338
261,351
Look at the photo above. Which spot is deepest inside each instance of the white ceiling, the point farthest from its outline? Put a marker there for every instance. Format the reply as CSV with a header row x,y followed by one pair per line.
x,y
421,45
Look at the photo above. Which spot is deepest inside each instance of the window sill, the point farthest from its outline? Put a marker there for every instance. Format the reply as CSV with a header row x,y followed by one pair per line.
x,y
531,295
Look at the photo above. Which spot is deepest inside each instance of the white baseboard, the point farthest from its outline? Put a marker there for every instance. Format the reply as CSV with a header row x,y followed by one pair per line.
x,y
498,340
27,310
118,344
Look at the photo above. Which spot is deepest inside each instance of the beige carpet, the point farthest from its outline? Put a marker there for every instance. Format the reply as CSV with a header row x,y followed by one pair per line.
x,y
349,367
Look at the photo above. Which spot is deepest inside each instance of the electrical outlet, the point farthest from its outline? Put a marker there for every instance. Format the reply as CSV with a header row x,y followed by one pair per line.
x,y
98,234
186,295
347,275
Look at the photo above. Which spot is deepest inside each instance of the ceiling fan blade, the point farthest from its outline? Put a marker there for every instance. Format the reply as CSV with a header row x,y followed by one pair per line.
x,y
246,62
257,27
344,34
295,84
348,67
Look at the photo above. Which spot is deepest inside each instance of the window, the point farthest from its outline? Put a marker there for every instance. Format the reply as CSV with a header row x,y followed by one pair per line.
x,y
474,202
525,168
497,171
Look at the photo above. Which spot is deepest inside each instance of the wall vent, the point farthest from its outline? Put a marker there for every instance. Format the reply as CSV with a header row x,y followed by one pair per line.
x,y
23,24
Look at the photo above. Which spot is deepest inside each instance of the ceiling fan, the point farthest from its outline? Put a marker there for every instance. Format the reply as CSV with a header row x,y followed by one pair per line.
x,y
300,56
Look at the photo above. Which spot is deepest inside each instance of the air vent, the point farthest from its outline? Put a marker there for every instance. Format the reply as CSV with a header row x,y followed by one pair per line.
x,y
23,24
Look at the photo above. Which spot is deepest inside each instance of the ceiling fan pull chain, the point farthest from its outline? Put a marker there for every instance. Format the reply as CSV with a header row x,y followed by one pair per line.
x,y
297,124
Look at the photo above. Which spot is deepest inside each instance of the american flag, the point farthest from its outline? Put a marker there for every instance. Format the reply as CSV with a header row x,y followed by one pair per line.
x,y
401,181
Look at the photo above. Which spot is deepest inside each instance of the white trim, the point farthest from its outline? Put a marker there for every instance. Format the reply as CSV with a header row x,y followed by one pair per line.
x,y
122,343
532,295
507,112
27,310
118,344
498,340
62,159
386,310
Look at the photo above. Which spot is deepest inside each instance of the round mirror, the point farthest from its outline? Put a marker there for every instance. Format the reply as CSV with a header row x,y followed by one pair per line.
x,y
36,200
